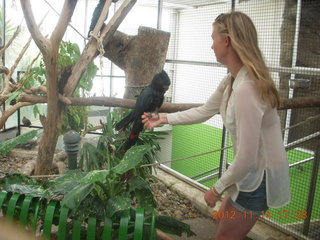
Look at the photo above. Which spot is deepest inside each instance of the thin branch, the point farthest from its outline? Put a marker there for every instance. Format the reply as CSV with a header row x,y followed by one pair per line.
x,y
42,43
6,114
23,51
62,24
15,35
90,51
102,17
4,69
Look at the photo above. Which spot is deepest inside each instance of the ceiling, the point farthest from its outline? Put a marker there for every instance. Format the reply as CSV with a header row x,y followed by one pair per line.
x,y
182,3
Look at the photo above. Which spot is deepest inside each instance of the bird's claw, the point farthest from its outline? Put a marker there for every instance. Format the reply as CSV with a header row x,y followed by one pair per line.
x,y
156,113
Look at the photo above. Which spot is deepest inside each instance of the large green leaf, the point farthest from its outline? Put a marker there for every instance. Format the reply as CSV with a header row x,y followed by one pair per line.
x,y
63,184
95,176
142,191
18,183
70,175
7,146
116,204
32,190
132,158
74,198
173,226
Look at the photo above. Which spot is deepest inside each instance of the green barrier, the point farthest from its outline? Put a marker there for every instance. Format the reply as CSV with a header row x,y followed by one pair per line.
x,y
29,210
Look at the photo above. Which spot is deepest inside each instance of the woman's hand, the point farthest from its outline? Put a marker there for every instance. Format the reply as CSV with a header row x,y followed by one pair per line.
x,y
151,120
211,197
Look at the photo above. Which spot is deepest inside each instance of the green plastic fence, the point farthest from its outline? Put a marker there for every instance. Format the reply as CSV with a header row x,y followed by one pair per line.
x,y
23,207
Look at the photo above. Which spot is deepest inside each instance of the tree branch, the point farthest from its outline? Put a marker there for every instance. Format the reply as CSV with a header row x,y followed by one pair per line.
x,y
90,52
62,24
6,114
102,17
23,51
16,33
292,103
42,43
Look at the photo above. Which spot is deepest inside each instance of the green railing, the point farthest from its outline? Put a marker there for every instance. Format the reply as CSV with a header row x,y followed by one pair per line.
x,y
28,210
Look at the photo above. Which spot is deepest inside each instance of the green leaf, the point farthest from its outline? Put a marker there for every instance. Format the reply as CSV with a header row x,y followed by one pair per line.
x,y
142,191
74,198
116,204
132,158
13,96
33,190
173,226
90,157
19,183
7,146
63,184
95,176
36,111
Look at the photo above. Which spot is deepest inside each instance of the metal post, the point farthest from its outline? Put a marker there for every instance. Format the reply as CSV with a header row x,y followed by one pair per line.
x,y
313,182
18,120
71,141
159,20
223,153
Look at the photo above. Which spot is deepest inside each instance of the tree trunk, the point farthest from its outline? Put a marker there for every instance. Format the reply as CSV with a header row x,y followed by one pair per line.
x,y
140,56
49,49
52,127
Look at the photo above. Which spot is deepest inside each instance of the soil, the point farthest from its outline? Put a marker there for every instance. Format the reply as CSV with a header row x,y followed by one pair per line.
x,y
169,203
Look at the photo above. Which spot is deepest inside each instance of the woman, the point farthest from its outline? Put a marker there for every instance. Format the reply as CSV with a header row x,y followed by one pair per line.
x,y
247,99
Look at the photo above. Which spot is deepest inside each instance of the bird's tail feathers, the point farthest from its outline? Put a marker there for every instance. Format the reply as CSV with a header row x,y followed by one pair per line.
x,y
133,138
124,122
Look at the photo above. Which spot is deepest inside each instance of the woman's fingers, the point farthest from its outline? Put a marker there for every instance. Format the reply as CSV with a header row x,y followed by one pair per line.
x,y
150,120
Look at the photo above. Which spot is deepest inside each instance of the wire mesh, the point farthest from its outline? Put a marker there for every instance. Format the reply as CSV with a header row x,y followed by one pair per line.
x,y
283,44
288,32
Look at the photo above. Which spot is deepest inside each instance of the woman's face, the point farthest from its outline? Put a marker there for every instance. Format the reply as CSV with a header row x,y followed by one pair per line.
x,y
218,44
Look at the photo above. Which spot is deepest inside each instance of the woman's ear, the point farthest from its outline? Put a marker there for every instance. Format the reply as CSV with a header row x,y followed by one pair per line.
x,y
227,41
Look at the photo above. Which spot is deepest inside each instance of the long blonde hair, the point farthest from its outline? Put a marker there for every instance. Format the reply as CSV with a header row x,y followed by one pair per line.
x,y
244,40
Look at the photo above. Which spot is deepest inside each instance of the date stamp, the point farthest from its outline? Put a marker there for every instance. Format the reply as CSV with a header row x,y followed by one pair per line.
x,y
283,214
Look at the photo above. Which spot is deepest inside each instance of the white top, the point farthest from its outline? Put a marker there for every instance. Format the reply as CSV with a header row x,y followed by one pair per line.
x,y
256,135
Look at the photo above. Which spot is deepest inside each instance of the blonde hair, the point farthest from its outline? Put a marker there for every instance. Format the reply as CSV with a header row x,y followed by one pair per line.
x,y
244,40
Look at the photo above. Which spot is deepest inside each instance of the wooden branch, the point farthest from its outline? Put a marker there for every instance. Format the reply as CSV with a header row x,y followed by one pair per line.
x,y
102,17
43,89
299,102
4,69
23,51
90,52
16,33
43,44
62,24
6,114
292,103
84,133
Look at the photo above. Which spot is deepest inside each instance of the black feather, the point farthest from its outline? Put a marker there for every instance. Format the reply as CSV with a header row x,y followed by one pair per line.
x,y
96,14
149,100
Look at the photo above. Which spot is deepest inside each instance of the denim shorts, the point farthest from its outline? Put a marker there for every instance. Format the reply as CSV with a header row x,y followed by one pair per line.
x,y
252,203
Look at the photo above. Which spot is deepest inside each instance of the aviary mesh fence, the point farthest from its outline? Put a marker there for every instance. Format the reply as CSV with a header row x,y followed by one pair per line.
x,y
289,36
289,39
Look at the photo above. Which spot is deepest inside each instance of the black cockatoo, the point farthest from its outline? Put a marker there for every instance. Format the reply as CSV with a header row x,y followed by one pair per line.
x,y
96,14
149,100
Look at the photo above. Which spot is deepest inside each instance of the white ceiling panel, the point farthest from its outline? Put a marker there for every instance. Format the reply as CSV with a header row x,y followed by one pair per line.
x,y
182,3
